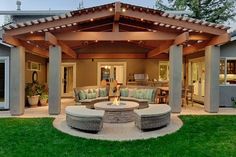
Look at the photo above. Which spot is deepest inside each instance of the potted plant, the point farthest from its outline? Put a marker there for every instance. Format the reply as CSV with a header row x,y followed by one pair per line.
x,y
32,94
43,99
43,95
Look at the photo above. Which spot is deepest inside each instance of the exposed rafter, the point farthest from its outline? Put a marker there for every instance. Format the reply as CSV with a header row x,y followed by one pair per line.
x,y
108,36
218,40
172,22
162,48
28,46
66,49
117,11
61,22
115,27
111,56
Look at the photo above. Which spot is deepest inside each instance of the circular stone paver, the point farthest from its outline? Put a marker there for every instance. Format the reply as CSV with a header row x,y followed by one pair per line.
x,y
120,131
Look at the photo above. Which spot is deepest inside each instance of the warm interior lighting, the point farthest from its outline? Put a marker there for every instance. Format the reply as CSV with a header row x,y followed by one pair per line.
x,y
155,23
28,41
141,19
111,9
123,10
31,32
91,20
128,40
200,31
96,41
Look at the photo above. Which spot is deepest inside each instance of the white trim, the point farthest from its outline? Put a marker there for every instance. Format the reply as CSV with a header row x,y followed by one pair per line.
x,y
5,104
67,64
99,64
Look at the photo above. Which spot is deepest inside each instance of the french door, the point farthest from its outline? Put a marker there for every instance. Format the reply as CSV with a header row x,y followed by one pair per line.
x,y
111,71
4,83
197,72
68,75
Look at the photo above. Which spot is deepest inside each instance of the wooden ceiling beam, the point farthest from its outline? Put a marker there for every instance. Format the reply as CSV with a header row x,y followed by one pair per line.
x,y
115,27
162,48
49,37
29,47
117,11
115,36
182,38
218,40
108,36
172,21
111,56
60,22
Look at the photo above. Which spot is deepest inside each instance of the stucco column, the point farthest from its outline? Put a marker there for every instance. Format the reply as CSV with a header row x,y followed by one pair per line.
x,y
175,84
54,81
212,62
17,81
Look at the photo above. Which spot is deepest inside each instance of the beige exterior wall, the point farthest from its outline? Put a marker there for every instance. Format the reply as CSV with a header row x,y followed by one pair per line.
x,y
42,74
86,72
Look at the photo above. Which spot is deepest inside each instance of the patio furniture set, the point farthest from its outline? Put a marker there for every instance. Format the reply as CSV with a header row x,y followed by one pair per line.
x,y
90,120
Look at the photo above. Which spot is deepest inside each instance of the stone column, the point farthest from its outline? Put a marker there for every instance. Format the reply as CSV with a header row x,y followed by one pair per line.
x,y
54,81
175,84
212,63
17,81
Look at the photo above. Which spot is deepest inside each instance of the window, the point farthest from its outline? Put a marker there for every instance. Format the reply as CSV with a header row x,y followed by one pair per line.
x,y
163,71
33,66
227,71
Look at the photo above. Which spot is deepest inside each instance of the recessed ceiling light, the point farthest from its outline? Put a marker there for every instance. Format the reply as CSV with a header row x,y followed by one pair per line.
x,y
91,20
155,23
123,10
110,9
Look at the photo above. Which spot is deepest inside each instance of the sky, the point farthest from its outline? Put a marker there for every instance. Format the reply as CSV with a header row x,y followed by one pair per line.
x,y
68,5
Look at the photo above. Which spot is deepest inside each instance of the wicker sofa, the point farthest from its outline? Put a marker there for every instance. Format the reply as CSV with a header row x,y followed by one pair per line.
x,y
84,119
153,117
128,95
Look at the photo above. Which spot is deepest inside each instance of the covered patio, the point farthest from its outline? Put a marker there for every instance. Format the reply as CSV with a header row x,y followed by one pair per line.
x,y
158,34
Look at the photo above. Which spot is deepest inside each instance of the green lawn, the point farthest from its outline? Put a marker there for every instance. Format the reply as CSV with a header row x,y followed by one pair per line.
x,y
200,136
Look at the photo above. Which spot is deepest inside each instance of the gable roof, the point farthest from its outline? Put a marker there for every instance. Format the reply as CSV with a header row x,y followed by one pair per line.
x,y
125,6
116,22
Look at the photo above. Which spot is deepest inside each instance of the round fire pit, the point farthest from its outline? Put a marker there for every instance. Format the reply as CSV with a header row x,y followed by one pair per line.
x,y
122,113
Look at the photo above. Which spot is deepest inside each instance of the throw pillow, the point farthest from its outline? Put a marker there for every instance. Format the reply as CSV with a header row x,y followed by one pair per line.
x,y
82,95
131,92
96,91
102,92
124,92
89,95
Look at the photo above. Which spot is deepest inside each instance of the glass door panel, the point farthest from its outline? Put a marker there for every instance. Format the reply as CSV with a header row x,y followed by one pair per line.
x,y
197,72
68,75
2,82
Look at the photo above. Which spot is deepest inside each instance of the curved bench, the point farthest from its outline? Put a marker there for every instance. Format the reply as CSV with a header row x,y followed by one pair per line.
x,y
84,119
153,117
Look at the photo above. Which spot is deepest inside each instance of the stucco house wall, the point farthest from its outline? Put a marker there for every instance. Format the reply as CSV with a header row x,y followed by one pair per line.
x,y
227,91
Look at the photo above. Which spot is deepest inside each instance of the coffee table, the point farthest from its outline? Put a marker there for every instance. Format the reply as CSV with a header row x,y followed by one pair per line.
x,y
117,113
